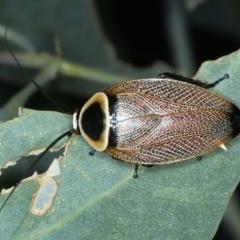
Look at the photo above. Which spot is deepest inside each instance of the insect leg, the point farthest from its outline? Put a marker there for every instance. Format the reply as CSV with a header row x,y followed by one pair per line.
x,y
199,158
148,165
210,85
190,80
136,171
91,153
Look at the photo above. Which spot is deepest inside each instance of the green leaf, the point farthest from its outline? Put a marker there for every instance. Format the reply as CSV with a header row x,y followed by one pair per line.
x,y
98,198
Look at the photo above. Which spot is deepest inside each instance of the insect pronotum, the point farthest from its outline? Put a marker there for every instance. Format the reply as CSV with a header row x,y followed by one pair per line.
x,y
153,121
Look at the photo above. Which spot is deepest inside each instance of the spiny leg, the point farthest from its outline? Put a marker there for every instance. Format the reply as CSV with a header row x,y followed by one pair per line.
x,y
91,153
136,171
190,80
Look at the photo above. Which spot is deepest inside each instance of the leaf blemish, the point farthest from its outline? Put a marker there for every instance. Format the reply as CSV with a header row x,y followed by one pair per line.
x,y
54,169
43,199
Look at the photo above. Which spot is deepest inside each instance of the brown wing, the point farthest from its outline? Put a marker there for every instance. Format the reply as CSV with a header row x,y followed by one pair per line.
x,y
169,95
162,120
158,140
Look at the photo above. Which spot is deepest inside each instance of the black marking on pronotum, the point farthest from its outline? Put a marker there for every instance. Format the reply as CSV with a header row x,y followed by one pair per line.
x,y
153,121
93,121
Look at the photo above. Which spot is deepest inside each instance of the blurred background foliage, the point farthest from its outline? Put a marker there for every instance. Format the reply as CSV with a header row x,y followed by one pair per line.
x,y
91,45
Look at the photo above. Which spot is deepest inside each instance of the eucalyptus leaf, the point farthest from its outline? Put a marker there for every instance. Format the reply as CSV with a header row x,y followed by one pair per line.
x,y
97,196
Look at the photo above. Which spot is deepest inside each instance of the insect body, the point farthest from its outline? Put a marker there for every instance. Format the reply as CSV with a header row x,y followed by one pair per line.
x,y
157,121
153,121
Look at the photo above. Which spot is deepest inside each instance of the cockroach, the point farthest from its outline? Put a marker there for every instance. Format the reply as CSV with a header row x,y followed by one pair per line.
x,y
153,121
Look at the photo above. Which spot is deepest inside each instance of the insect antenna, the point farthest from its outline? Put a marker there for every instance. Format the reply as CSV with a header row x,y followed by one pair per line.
x,y
69,132
61,108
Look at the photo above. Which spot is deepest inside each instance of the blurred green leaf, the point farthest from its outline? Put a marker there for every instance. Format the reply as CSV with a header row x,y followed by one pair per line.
x,y
98,198
81,38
